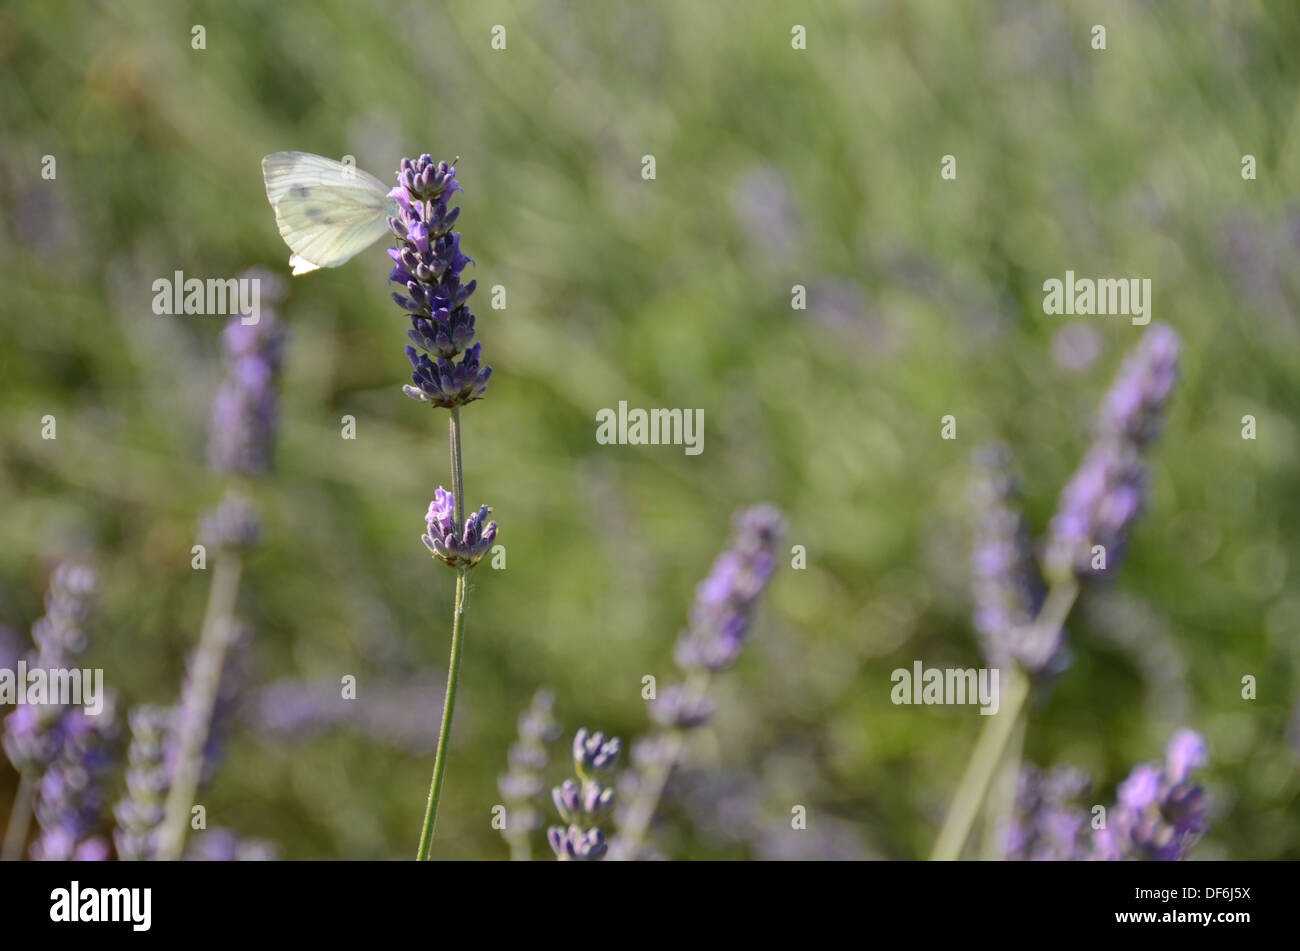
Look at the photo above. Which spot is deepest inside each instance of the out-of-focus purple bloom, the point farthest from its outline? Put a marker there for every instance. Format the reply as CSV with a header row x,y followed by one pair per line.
x,y
427,262
233,524
1106,494
224,845
1049,824
1007,588
448,541
725,600
230,690
241,434
1160,813
521,786
585,802
140,812
677,706
70,798
31,740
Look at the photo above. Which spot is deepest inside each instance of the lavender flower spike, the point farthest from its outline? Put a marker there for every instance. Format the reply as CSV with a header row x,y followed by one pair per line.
x,y
140,813
1106,494
1161,813
246,408
427,262
586,802
523,783
71,797
448,541
725,600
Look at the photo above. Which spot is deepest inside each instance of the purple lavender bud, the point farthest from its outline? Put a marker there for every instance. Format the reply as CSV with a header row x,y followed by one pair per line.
x,y
1133,409
726,599
1007,589
70,798
31,739
232,524
223,845
677,707
575,845
593,754
1106,494
245,411
1049,824
428,263
448,541
1160,813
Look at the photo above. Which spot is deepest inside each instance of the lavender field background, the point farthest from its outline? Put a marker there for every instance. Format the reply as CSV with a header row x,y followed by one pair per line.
x,y
775,167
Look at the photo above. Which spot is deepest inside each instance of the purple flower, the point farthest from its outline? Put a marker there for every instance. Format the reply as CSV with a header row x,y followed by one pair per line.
x,y
223,845
427,264
1007,588
140,812
1160,813
241,434
726,599
70,798
232,524
448,541
1107,492
1049,824
585,802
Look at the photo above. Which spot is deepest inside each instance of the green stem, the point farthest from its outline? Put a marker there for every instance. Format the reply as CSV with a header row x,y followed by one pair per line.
x,y
20,816
198,703
641,812
453,665
998,729
444,733
999,810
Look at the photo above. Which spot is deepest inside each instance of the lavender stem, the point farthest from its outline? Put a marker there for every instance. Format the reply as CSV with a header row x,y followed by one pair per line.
x,y
20,818
997,732
453,666
1000,807
194,727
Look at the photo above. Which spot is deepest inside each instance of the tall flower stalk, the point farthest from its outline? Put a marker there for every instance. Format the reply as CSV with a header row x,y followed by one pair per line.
x,y
446,373
241,440
719,624
1086,540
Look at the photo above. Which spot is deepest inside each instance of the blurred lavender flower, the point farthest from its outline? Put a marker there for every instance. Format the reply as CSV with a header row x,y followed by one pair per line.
x,y
224,845
1106,494
233,524
521,786
1049,824
229,692
245,410
448,542
32,735
70,799
1160,813
1008,591
725,600
427,262
585,802
140,812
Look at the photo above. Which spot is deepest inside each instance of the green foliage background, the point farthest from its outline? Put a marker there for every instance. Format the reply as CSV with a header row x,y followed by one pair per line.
x,y
775,167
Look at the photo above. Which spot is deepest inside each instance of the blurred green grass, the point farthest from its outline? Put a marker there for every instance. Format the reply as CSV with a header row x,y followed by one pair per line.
x,y
775,167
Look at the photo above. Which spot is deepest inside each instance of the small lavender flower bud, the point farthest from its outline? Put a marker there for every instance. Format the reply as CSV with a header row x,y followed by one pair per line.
x,y
1133,409
1160,813
575,845
677,707
449,542
593,754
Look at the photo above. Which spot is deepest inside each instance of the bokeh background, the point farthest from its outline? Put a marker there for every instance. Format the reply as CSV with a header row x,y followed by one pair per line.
x,y
775,167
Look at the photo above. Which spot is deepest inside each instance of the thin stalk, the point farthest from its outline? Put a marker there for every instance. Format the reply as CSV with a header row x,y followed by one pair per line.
x,y
20,816
198,703
992,743
641,812
453,665
1000,808
444,732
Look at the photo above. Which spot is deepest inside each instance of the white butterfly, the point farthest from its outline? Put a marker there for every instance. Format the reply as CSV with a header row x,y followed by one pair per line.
x,y
327,211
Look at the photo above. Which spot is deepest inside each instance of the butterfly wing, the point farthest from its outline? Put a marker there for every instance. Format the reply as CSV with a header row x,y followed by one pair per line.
x,y
327,211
